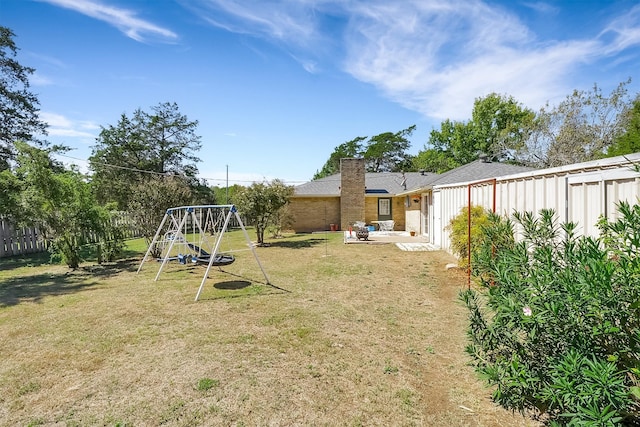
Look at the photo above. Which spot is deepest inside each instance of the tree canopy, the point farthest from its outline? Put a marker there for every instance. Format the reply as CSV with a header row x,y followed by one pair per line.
x,y
581,128
162,142
498,128
629,140
349,149
260,204
385,152
56,200
151,199
587,125
19,119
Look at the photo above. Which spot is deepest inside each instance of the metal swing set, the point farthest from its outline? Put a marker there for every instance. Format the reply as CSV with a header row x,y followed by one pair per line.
x,y
193,234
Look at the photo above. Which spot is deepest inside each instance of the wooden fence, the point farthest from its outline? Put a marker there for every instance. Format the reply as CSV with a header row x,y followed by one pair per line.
x,y
22,241
19,241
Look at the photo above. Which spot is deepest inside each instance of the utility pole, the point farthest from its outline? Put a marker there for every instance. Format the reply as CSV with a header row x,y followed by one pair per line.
x,y
227,184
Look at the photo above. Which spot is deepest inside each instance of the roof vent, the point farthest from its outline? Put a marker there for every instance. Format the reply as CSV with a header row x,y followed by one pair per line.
x,y
484,158
422,171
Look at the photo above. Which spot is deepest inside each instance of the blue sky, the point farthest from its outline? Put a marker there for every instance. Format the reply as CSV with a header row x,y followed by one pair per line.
x,y
276,85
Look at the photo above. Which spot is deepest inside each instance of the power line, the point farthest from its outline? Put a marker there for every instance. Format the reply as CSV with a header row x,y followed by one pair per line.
x,y
165,174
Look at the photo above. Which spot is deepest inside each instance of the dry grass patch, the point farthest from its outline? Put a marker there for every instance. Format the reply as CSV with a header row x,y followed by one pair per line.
x,y
348,335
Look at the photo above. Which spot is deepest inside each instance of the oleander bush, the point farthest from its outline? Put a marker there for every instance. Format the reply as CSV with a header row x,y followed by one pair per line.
x,y
555,323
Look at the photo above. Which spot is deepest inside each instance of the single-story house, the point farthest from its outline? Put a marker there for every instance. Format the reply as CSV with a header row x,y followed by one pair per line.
x,y
429,222
426,202
338,201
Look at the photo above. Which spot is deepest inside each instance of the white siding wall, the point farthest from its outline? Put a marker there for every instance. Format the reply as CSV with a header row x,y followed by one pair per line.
x,y
451,200
574,194
412,221
436,208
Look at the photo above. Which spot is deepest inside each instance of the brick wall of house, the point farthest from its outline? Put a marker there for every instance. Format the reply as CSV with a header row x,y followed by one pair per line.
x,y
370,209
397,211
352,207
314,213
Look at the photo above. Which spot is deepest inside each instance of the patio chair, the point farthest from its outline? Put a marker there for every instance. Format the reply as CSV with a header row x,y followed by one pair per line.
x,y
386,226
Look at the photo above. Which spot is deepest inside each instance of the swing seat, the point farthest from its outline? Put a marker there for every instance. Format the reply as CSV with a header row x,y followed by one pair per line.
x,y
222,259
218,261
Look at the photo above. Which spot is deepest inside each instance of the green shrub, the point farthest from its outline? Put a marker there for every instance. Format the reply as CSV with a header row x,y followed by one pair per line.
x,y
459,231
555,328
111,237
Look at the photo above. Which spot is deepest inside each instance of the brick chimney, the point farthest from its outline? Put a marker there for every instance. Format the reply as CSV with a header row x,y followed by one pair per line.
x,y
351,192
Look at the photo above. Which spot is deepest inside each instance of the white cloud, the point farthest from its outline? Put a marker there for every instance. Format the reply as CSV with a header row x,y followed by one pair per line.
x,y
38,79
625,31
431,56
123,19
72,133
542,7
55,120
447,54
289,21
61,126
294,25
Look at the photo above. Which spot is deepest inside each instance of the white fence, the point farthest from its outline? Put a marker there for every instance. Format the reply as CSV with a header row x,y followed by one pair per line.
x,y
579,193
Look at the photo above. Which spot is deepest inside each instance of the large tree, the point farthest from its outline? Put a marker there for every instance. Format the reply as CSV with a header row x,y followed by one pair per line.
x,y
432,160
498,128
501,126
348,149
226,195
161,142
385,152
581,128
19,120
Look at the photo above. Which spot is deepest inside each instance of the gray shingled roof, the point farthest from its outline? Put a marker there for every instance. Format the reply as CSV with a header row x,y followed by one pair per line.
x,y
327,186
392,182
395,182
478,170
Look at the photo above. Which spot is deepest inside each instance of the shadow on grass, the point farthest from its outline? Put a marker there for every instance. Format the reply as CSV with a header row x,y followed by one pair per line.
x,y
31,260
297,244
232,284
111,268
33,288
244,286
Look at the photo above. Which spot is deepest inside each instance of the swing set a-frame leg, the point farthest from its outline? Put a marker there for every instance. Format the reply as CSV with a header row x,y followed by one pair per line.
x,y
253,249
232,211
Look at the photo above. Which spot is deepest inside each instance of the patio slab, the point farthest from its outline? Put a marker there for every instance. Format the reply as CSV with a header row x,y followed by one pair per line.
x,y
380,237
417,247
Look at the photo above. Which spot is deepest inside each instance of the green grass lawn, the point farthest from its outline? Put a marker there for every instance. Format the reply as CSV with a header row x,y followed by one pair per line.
x,y
345,335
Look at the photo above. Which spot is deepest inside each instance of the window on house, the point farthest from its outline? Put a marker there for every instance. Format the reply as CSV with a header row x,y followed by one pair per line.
x,y
384,209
